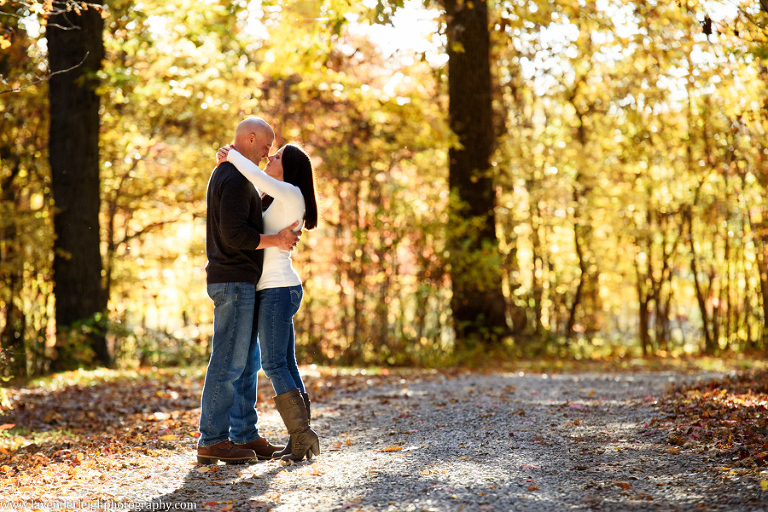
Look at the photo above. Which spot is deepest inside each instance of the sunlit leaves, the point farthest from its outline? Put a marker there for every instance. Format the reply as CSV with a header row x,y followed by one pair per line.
x,y
649,100
613,119
181,77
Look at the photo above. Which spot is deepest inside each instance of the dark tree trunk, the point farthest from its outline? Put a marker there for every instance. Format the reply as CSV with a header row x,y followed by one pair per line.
x,y
75,43
478,304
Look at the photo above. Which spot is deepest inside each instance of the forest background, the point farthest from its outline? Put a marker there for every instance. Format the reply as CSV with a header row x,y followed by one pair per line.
x,y
624,185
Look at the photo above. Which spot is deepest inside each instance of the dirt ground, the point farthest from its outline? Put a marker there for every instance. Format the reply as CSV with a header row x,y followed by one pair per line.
x,y
429,440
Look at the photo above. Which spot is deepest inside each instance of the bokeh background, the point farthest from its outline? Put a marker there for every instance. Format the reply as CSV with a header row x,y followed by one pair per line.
x,y
627,172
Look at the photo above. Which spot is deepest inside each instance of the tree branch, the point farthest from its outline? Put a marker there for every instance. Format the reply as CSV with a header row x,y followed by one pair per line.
x,y
146,229
56,8
45,78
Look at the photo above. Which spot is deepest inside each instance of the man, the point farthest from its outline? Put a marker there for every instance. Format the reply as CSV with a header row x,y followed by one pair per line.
x,y
234,228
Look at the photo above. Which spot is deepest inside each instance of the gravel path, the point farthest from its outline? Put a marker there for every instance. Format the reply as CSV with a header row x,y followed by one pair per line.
x,y
500,442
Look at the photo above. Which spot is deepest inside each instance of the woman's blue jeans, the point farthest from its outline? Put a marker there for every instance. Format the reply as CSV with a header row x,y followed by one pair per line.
x,y
229,393
277,337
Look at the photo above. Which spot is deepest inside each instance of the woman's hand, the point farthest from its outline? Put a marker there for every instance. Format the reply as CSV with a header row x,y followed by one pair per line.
x,y
221,154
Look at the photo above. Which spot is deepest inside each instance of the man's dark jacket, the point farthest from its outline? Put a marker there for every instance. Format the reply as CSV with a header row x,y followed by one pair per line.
x,y
233,228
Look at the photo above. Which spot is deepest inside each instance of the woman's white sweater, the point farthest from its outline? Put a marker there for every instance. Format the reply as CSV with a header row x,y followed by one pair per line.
x,y
287,208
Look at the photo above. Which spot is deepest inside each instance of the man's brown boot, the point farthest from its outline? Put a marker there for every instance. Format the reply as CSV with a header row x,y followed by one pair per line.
x,y
263,448
226,452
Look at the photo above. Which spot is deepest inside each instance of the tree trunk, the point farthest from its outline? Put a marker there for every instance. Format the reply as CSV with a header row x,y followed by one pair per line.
x,y
761,242
570,326
14,354
700,297
712,280
643,320
356,273
75,43
761,290
478,302
538,266
12,350
731,331
588,290
663,301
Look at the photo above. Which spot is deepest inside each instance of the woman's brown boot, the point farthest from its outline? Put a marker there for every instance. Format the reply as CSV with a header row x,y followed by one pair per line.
x,y
288,449
304,440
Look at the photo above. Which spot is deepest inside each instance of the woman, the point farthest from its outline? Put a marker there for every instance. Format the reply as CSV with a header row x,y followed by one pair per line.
x,y
288,179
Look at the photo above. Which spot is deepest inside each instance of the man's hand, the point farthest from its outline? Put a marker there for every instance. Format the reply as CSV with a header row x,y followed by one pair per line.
x,y
287,238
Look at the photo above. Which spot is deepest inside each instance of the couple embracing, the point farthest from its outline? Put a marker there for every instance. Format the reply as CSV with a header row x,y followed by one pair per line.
x,y
255,292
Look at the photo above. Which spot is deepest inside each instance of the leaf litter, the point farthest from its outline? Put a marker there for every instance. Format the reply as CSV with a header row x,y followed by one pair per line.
x,y
405,440
724,419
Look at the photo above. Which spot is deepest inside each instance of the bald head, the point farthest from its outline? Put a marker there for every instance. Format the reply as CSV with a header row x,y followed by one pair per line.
x,y
254,138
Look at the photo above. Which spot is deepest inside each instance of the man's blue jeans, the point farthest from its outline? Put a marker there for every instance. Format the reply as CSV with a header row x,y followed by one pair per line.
x,y
277,337
229,393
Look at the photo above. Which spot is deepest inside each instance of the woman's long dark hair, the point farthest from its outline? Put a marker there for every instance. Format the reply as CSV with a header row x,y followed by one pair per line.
x,y
298,171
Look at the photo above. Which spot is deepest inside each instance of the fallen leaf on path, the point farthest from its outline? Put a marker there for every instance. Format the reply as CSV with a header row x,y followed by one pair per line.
x,y
351,503
391,449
